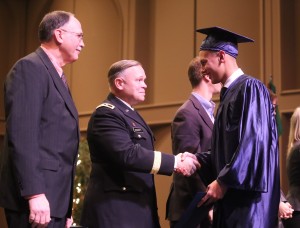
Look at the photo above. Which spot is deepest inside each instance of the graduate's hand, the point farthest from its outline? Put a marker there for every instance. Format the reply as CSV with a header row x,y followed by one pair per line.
x,y
187,164
186,155
39,216
214,192
285,210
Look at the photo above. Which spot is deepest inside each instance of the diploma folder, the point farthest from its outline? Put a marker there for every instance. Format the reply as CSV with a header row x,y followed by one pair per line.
x,y
193,214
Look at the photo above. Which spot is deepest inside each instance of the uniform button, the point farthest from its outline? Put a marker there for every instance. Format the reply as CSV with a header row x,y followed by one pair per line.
x,y
139,136
124,189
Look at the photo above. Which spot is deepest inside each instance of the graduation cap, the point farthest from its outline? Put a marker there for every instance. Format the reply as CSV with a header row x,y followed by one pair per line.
x,y
221,39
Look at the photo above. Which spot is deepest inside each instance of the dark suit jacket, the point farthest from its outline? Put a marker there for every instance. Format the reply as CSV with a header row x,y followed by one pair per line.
x,y
121,191
42,136
191,131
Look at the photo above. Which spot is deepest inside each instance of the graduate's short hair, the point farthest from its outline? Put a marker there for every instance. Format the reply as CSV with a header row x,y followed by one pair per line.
x,y
194,72
118,67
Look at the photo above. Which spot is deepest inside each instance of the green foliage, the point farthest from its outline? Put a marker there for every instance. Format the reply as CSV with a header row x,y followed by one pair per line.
x,y
272,87
81,179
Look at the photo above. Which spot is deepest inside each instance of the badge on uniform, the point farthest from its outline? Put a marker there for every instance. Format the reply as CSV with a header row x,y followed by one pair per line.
x,y
136,129
107,105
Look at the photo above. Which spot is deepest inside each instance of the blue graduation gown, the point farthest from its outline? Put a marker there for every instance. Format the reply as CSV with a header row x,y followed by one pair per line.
x,y
244,156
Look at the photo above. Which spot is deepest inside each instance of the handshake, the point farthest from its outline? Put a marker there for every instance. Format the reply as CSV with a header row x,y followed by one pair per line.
x,y
187,164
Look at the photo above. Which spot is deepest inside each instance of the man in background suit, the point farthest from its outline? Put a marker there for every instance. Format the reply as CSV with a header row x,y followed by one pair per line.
x,y
121,190
42,133
191,131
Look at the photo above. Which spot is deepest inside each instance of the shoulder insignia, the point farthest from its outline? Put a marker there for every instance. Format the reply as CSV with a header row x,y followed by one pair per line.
x,y
107,105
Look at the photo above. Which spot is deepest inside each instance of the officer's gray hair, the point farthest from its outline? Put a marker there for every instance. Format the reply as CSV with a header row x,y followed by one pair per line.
x,y
52,21
118,67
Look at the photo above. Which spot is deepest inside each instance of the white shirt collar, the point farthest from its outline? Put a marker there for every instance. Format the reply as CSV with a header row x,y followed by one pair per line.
x,y
209,106
233,77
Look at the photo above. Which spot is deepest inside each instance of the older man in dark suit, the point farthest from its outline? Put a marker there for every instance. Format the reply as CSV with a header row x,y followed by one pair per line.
x,y
191,131
121,191
42,134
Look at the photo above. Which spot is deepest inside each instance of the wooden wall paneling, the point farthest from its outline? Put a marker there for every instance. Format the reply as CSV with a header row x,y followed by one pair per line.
x,y
173,48
285,68
241,17
5,46
35,11
104,30
162,134
3,223
12,42
144,42
290,47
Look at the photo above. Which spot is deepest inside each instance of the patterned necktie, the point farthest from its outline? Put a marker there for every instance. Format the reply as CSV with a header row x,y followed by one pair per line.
x,y
223,91
64,79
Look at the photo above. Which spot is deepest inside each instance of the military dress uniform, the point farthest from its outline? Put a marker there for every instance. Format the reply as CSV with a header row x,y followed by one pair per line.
x,y
121,190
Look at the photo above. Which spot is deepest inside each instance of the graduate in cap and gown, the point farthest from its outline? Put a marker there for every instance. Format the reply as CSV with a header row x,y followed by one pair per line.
x,y
243,162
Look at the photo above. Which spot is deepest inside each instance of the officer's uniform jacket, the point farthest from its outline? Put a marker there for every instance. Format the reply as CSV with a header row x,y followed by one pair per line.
x,y
121,191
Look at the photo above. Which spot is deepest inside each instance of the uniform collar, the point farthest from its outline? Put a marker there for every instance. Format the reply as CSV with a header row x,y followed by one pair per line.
x,y
128,105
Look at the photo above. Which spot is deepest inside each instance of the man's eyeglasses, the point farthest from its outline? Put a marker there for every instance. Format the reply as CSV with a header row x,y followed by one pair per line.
x,y
79,35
